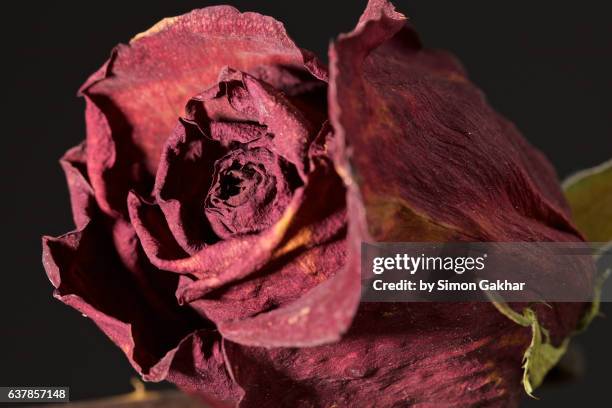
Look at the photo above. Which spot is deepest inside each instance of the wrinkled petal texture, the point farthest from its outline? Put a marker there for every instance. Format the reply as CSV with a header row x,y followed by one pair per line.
x,y
434,162
103,268
133,101
266,270
224,189
132,302
392,356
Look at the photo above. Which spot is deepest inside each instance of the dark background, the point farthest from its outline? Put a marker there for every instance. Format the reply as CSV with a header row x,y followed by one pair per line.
x,y
546,65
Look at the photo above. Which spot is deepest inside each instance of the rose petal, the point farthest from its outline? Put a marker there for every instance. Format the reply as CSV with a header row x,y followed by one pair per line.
x,y
292,131
133,101
304,91
93,273
435,138
240,102
81,194
183,179
397,354
199,366
89,277
447,164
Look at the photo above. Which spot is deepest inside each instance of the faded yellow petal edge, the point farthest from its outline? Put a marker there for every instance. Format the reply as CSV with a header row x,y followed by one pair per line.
x,y
156,28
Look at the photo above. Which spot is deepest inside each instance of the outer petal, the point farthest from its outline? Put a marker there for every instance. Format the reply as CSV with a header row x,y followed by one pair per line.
x,y
199,366
133,101
428,152
88,276
435,138
159,342
81,194
394,355
131,301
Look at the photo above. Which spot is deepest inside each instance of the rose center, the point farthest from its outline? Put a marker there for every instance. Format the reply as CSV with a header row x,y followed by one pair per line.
x,y
250,192
236,183
231,185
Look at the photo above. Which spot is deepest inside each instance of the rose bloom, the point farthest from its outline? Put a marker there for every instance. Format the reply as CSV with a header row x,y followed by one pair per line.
x,y
227,180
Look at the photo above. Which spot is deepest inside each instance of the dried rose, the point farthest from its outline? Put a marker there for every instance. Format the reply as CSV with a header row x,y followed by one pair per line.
x,y
219,216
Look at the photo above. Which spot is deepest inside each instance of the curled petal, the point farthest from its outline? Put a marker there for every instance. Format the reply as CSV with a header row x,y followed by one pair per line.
x,y
159,343
183,179
81,194
250,190
313,317
133,101
84,269
199,366
292,131
305,92
97,270
302,250
244,109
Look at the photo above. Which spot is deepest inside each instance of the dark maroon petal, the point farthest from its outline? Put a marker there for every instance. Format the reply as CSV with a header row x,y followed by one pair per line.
x,y
432,161
399,354
435,137
99,269
81,194
291,129
199,366
443,156
134,100
305,92
88,276
183,179
250,190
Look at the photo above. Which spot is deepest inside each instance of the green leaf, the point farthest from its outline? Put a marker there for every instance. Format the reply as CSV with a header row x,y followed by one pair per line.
x,y
594,309
589,193
541,355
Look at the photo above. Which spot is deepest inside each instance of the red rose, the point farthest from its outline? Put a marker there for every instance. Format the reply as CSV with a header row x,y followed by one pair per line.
x,y
220,204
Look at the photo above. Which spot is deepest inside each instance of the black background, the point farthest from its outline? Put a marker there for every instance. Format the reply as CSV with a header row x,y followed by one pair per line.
x,y
546,65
